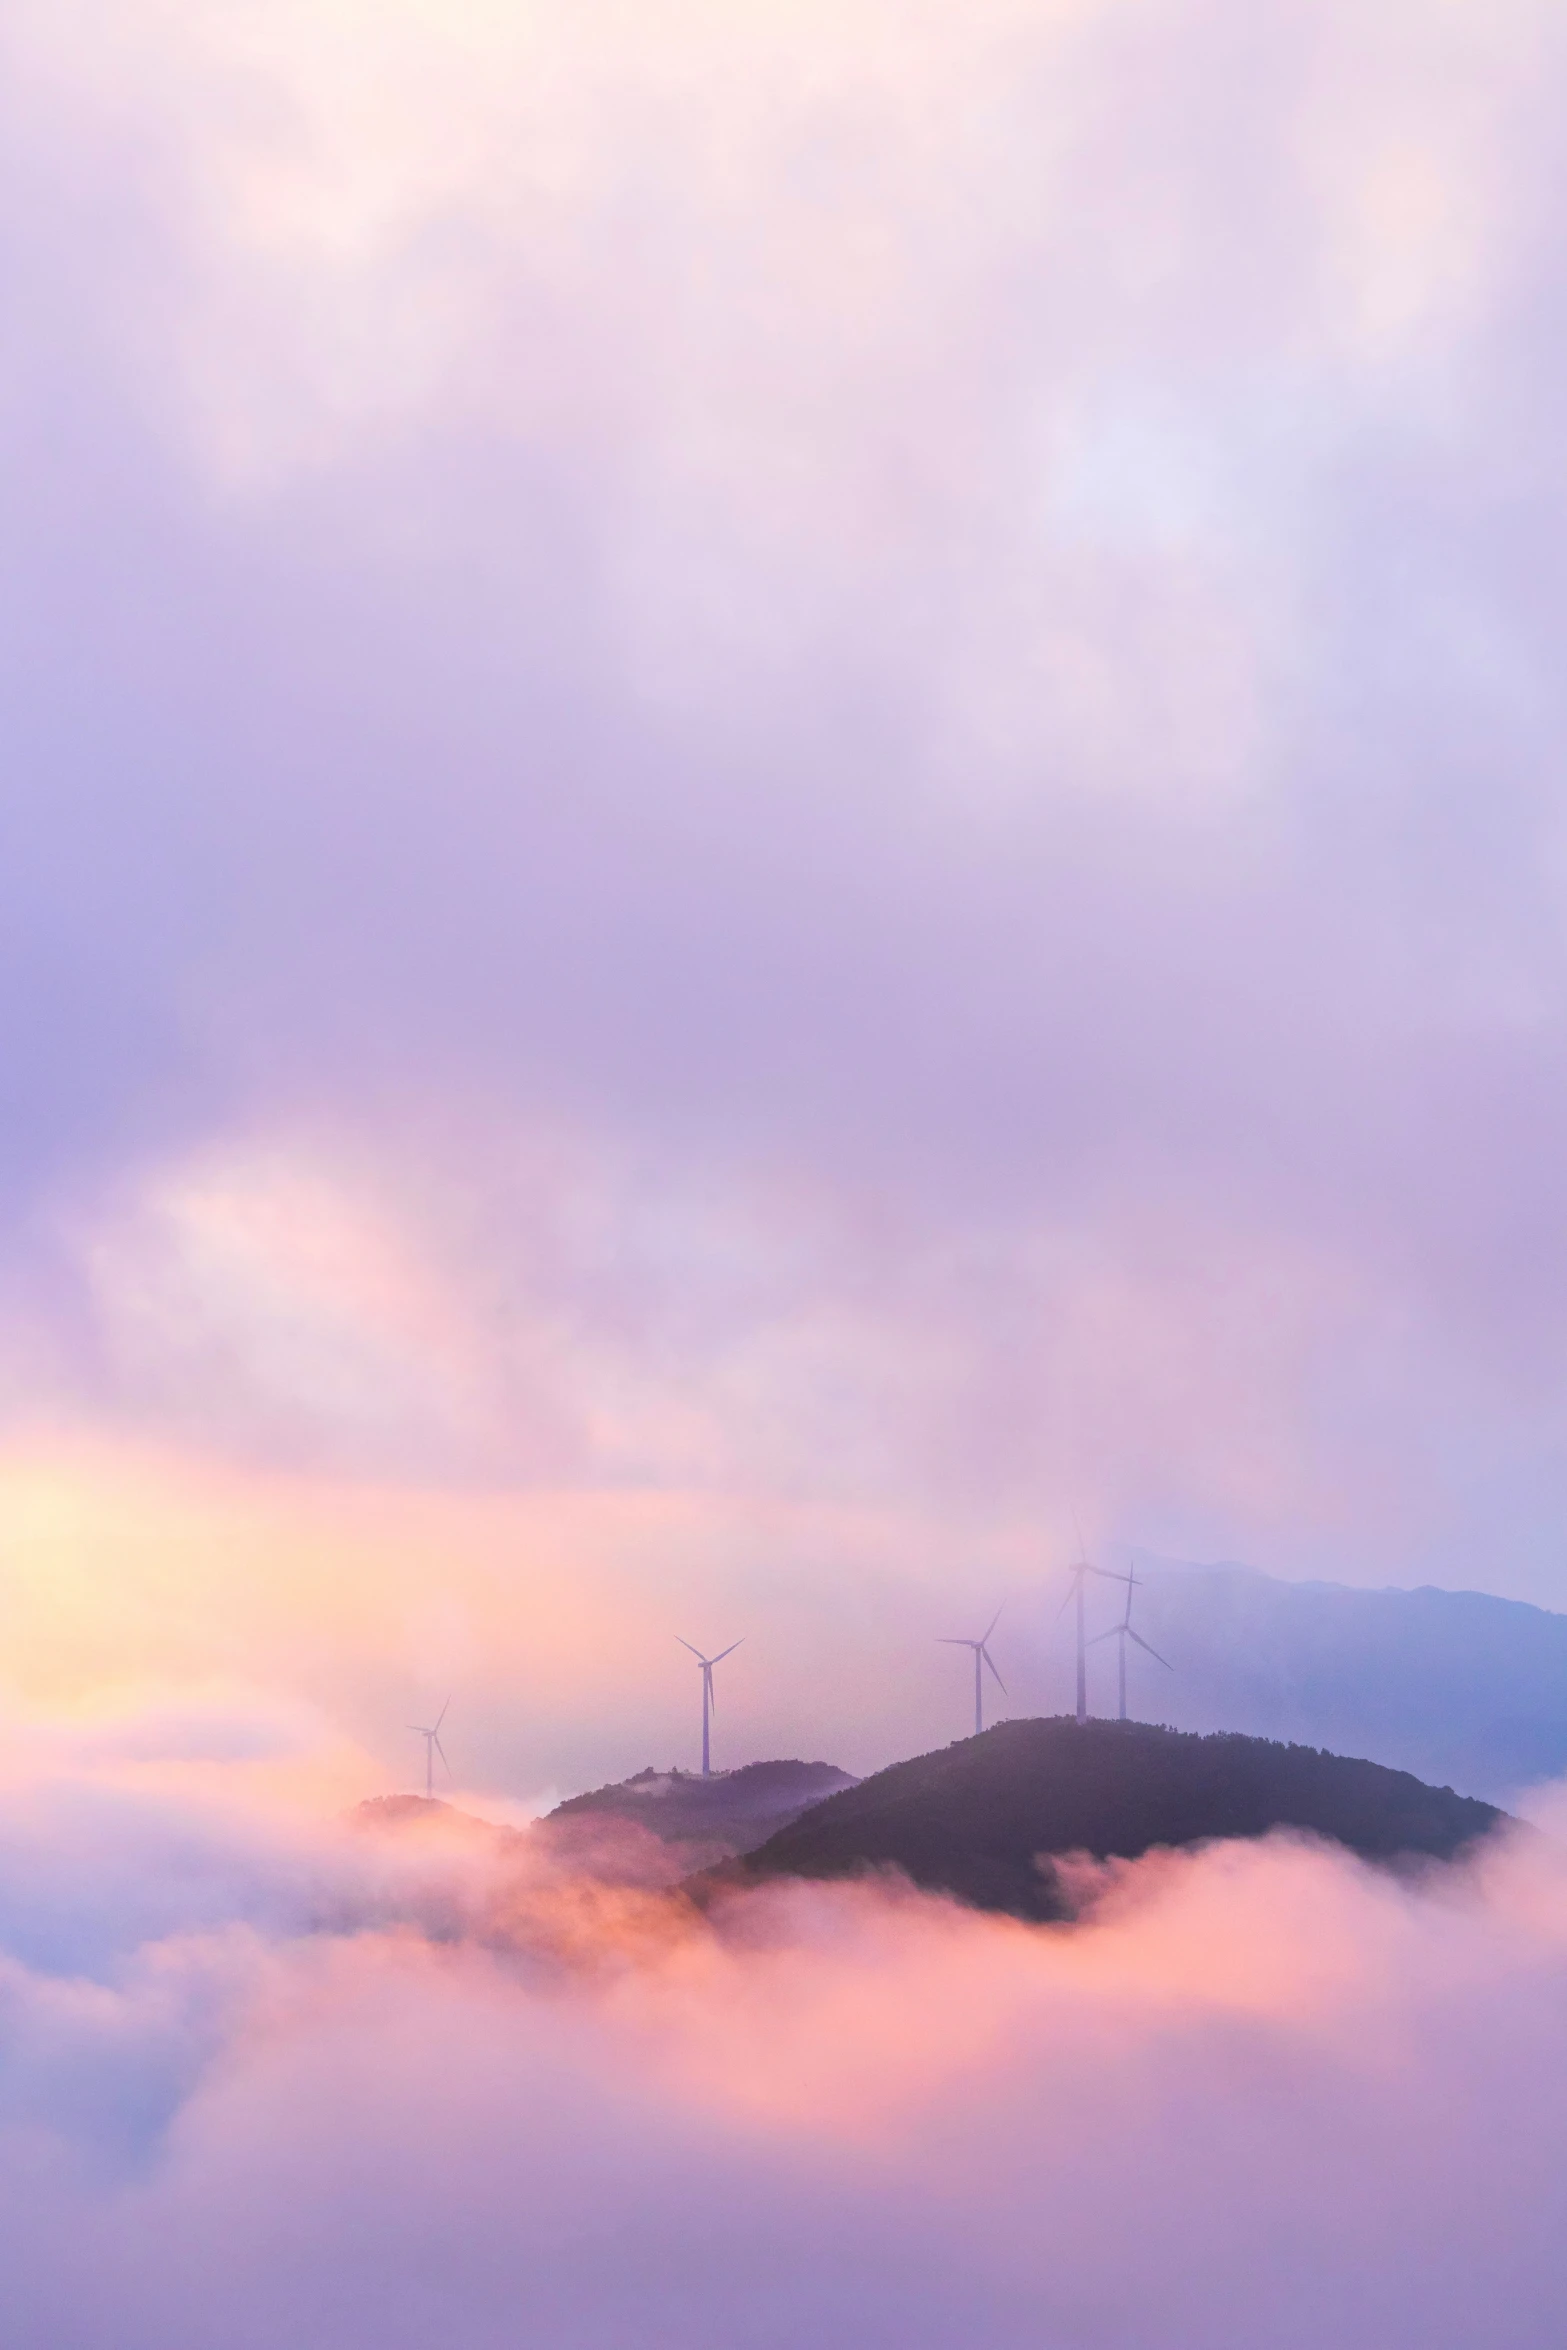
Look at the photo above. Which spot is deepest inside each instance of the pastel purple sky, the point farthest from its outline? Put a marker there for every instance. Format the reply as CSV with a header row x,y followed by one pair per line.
x,y
782,793
780,800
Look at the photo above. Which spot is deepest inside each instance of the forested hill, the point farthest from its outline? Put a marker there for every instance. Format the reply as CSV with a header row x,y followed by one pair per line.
x,y
971,1818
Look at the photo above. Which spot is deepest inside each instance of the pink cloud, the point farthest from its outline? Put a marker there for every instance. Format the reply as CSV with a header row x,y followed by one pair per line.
x,y
1260,2092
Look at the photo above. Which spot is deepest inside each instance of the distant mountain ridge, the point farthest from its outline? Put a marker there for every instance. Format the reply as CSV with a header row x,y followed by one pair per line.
x,y
1456,1686
981,1818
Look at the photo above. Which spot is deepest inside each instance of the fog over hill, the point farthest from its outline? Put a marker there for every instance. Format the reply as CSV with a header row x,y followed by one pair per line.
x,y
1464,1689
730,1810
650,1830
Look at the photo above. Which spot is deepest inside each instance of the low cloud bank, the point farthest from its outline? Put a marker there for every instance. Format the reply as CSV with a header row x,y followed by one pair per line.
x,y
292,2079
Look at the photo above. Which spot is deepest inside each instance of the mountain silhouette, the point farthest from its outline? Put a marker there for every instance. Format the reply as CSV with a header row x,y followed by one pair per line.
x,y
980,1819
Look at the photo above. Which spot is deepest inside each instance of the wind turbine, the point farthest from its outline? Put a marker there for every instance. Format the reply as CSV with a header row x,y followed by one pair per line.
x,y
1074,1590
432,1748
982,1657
1122,1632
709,1702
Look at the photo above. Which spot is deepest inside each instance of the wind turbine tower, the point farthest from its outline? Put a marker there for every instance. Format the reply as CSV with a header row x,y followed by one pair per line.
x,y
432,1748
1075,1590
709,1706
982,1658
1122,1632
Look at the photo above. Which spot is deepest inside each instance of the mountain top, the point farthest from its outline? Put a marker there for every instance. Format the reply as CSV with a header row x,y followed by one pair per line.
x,y
731,1811
397,1811
427,1816
980,1818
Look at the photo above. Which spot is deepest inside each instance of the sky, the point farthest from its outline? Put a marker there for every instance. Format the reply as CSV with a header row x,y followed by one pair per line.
x,y
781,808
780,822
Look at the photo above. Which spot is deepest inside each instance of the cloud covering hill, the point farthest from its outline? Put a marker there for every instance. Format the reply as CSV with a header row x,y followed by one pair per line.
x,y
266,2078
730,1812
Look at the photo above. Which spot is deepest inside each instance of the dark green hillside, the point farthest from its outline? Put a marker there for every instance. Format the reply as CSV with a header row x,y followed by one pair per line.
x,y
971,1818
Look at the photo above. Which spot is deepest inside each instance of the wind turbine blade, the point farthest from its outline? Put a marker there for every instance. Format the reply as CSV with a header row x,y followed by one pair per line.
x,y
990,1660
994,1621
729,1651
441,1751
1114,1633
951,1640
1153,1652
696,1652
441,1716
1071,1594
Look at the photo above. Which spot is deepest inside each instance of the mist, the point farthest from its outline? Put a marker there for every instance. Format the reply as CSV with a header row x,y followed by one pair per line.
x,y
277,2076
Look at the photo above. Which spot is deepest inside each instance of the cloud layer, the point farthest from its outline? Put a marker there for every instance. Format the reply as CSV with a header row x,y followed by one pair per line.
x,y
349,2086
